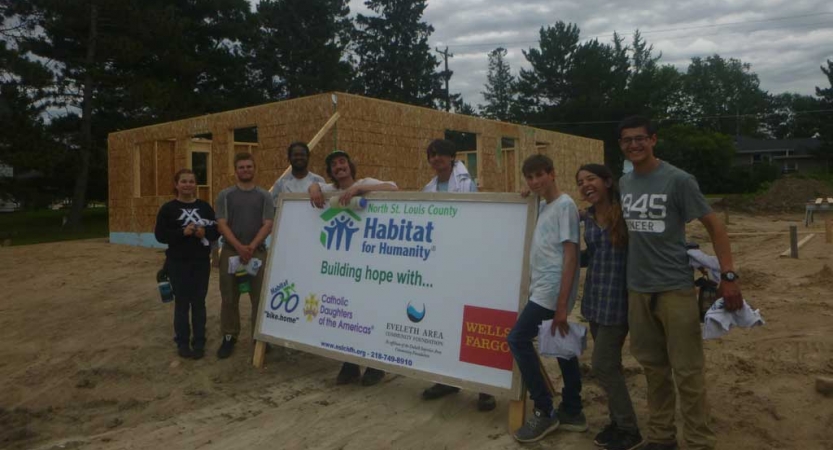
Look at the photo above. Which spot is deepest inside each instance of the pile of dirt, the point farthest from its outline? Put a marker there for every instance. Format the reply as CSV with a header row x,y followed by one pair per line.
x,y
784,195
791,194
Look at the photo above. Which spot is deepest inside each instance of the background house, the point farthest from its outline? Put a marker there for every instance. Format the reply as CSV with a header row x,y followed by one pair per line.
x,y
789,155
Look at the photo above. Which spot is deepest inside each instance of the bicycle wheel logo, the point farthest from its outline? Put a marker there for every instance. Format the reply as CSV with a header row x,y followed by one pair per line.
x,y
286,299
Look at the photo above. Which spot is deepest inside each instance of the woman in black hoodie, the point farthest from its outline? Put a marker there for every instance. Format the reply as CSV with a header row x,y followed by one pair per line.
x,y
187,224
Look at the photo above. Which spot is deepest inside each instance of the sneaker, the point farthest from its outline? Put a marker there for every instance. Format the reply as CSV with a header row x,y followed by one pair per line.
x,y
606,435
536,427
184,351
372,376
348,374
569,422
486,402
658,446
226,347
626,440
439,390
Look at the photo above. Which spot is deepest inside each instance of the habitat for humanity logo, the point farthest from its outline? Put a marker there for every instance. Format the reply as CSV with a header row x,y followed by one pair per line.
x,y
339,229
414,315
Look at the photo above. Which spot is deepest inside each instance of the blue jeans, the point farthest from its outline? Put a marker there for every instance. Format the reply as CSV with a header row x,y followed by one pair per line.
x,y
520,342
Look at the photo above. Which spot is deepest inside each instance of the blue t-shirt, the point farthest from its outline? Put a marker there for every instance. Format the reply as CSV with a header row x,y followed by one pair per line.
x,y
558,222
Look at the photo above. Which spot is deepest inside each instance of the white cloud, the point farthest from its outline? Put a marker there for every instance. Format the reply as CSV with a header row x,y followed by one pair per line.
x,y
785,41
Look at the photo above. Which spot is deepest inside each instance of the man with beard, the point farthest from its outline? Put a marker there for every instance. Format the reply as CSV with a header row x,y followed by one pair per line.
x,y
244,218
299,179
342,171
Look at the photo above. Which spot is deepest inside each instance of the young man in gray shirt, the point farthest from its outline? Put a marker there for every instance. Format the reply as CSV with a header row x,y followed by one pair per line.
x,y
244,218
658,200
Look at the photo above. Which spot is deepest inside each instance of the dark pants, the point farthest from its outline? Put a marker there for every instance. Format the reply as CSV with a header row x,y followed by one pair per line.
x,y
520,342
189,280
607,366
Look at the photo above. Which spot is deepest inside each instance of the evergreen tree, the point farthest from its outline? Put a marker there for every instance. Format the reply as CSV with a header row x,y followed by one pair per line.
x,y
394,60
299,47
500,87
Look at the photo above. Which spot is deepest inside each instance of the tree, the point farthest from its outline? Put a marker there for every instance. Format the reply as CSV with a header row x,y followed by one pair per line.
x,y
299,47
394,59
787,116
500,87
724,95
547,83
123,63
826,129
705,154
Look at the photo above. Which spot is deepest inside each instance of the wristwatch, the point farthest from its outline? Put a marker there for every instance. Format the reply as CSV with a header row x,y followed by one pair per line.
x,y
729,276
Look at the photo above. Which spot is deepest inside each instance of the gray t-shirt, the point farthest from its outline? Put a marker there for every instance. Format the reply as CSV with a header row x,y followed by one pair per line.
x,y
656,207
245,211
288,183
558,222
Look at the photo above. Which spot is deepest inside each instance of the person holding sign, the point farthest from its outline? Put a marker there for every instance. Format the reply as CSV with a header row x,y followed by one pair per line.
x,y
342,171
451,176
554,268
605,301
244,216
300,178
187,225
658,200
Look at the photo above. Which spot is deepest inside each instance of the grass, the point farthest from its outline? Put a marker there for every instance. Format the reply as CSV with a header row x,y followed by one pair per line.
x,y
35,227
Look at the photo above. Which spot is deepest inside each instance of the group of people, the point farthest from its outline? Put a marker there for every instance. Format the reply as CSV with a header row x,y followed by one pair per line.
x,y
638,279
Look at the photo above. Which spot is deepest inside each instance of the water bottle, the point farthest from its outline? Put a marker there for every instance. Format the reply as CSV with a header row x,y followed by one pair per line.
x,y
356,203
243,283
166,291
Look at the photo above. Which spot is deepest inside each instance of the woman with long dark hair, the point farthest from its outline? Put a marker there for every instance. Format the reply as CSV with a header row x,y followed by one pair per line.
x,y
605,301
187,224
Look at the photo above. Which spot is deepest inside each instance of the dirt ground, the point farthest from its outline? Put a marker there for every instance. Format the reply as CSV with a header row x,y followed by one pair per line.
x,y
87,361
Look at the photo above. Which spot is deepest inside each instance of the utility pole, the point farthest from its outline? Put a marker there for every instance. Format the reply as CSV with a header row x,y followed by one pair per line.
x,y
447,76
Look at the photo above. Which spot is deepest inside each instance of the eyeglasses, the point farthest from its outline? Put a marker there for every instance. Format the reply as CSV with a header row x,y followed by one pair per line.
x,y
636,139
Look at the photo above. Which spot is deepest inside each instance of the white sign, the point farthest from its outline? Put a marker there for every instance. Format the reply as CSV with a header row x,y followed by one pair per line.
x,y
426,285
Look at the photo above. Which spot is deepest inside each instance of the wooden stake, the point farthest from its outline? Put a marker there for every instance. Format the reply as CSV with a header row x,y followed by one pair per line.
x,y
517,410
788,252
260,354
793,241
828,231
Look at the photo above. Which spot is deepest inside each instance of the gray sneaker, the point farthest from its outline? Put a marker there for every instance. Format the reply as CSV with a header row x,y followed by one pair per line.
x,y
572,422
536,427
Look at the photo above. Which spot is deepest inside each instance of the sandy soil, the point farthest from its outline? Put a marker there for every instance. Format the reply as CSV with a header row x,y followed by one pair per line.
x,y
88,361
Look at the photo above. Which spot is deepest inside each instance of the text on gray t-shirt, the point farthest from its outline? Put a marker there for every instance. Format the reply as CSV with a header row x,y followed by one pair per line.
x,y
656,207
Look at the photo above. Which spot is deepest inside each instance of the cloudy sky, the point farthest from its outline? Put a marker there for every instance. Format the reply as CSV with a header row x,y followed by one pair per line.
x,y
785,41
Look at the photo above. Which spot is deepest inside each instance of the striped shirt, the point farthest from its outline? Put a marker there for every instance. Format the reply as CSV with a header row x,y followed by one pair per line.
x,y
605,290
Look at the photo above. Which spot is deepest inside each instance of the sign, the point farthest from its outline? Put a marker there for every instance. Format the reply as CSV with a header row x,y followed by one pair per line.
x,y
422,284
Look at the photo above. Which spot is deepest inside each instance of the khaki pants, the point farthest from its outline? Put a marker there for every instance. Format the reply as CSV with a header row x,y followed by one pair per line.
x,y
665,339
230,309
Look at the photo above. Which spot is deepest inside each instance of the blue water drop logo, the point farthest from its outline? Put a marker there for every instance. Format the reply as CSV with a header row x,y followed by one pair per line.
x,y
414,315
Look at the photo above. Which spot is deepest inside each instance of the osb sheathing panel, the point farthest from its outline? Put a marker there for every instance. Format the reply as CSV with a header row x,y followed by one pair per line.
x,y
385,139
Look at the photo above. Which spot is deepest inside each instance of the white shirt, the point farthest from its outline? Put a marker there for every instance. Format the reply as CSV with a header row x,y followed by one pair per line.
x,y
558,222
331,187
288,183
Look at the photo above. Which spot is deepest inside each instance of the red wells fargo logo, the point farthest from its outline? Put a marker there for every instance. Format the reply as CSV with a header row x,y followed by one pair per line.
x,y
484,337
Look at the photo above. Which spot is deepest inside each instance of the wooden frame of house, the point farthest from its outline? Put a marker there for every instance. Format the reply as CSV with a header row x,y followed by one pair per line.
x,y
386,140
